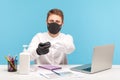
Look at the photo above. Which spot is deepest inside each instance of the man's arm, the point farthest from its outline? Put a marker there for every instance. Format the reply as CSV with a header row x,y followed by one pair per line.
x,y
32,48
65,45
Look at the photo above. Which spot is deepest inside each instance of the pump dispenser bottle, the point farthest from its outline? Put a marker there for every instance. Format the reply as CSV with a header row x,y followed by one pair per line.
x,y
24,61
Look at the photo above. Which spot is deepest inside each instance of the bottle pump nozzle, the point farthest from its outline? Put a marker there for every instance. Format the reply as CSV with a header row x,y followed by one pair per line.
x,y
25,47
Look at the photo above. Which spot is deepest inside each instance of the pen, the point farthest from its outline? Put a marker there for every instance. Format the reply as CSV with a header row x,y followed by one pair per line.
x,y
55,72
15,58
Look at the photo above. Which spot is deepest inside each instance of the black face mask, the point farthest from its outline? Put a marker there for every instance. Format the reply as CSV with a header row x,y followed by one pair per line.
x,y
53,28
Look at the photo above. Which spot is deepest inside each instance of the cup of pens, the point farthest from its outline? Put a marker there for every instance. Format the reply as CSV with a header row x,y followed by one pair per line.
x,y
12,63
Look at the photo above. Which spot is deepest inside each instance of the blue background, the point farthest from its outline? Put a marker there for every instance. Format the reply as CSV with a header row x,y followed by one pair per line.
x,y
90,22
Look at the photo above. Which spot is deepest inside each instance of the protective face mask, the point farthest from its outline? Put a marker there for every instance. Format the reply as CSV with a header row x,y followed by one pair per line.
x,y
54,28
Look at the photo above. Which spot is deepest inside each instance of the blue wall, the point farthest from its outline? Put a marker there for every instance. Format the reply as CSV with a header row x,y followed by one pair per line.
x,y
90,22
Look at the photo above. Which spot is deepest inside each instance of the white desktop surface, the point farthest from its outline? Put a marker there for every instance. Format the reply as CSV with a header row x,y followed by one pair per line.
x,y
111,74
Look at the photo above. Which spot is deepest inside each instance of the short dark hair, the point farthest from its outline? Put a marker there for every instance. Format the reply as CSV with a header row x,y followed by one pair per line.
x,y
57,12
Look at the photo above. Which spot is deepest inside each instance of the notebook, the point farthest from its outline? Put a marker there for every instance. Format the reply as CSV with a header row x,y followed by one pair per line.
x,y
50,67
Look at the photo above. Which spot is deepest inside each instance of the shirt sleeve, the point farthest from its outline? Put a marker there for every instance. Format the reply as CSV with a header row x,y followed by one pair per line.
x,y
33,46
65,45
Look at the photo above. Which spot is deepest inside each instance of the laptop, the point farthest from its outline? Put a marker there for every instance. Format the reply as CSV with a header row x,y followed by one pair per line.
x,y
102,60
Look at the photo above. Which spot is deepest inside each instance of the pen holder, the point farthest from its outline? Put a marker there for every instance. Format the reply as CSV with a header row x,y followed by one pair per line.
x,y
12,66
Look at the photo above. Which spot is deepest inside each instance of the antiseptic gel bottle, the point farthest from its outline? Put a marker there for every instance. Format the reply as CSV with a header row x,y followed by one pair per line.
x,y
24,61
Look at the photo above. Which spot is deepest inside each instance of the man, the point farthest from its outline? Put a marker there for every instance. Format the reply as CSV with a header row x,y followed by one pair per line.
x,y
51,47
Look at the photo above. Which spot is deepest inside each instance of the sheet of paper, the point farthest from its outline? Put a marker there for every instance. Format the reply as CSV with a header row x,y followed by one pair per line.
x,y
64,73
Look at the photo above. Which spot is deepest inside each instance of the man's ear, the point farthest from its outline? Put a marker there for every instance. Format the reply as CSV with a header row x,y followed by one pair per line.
x,y
46,23
62,24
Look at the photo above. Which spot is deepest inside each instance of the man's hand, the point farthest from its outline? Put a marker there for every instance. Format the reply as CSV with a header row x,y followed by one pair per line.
x,y
43,48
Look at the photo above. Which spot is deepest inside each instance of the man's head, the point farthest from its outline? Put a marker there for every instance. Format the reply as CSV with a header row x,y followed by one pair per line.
x,y
55,15
55,19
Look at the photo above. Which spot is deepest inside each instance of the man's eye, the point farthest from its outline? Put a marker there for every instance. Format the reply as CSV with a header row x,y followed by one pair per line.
x,y
57,21
51,21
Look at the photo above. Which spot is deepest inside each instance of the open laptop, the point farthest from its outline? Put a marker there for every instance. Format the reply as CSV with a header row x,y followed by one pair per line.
x,y
102,60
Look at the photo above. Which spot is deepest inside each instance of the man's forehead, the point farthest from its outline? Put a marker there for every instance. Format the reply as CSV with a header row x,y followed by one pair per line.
x,y
53,16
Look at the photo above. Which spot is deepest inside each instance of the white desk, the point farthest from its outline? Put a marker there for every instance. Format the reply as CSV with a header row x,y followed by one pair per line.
x,y
111,74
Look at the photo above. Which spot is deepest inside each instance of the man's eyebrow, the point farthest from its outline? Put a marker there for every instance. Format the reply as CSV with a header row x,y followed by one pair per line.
x,y
57,20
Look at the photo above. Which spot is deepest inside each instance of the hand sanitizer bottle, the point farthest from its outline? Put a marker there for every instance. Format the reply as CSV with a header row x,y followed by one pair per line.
x,y
24,61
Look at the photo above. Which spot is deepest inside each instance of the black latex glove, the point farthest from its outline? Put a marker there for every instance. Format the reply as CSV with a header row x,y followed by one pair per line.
x,y
43,48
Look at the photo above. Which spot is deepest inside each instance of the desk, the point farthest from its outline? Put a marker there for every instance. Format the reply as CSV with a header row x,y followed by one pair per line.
x,y
111,74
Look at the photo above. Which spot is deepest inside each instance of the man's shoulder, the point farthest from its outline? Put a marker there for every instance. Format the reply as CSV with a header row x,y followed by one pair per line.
x,y
66,35
41,34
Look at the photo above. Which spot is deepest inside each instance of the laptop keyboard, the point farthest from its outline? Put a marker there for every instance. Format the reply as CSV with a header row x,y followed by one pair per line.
x,y
87,69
